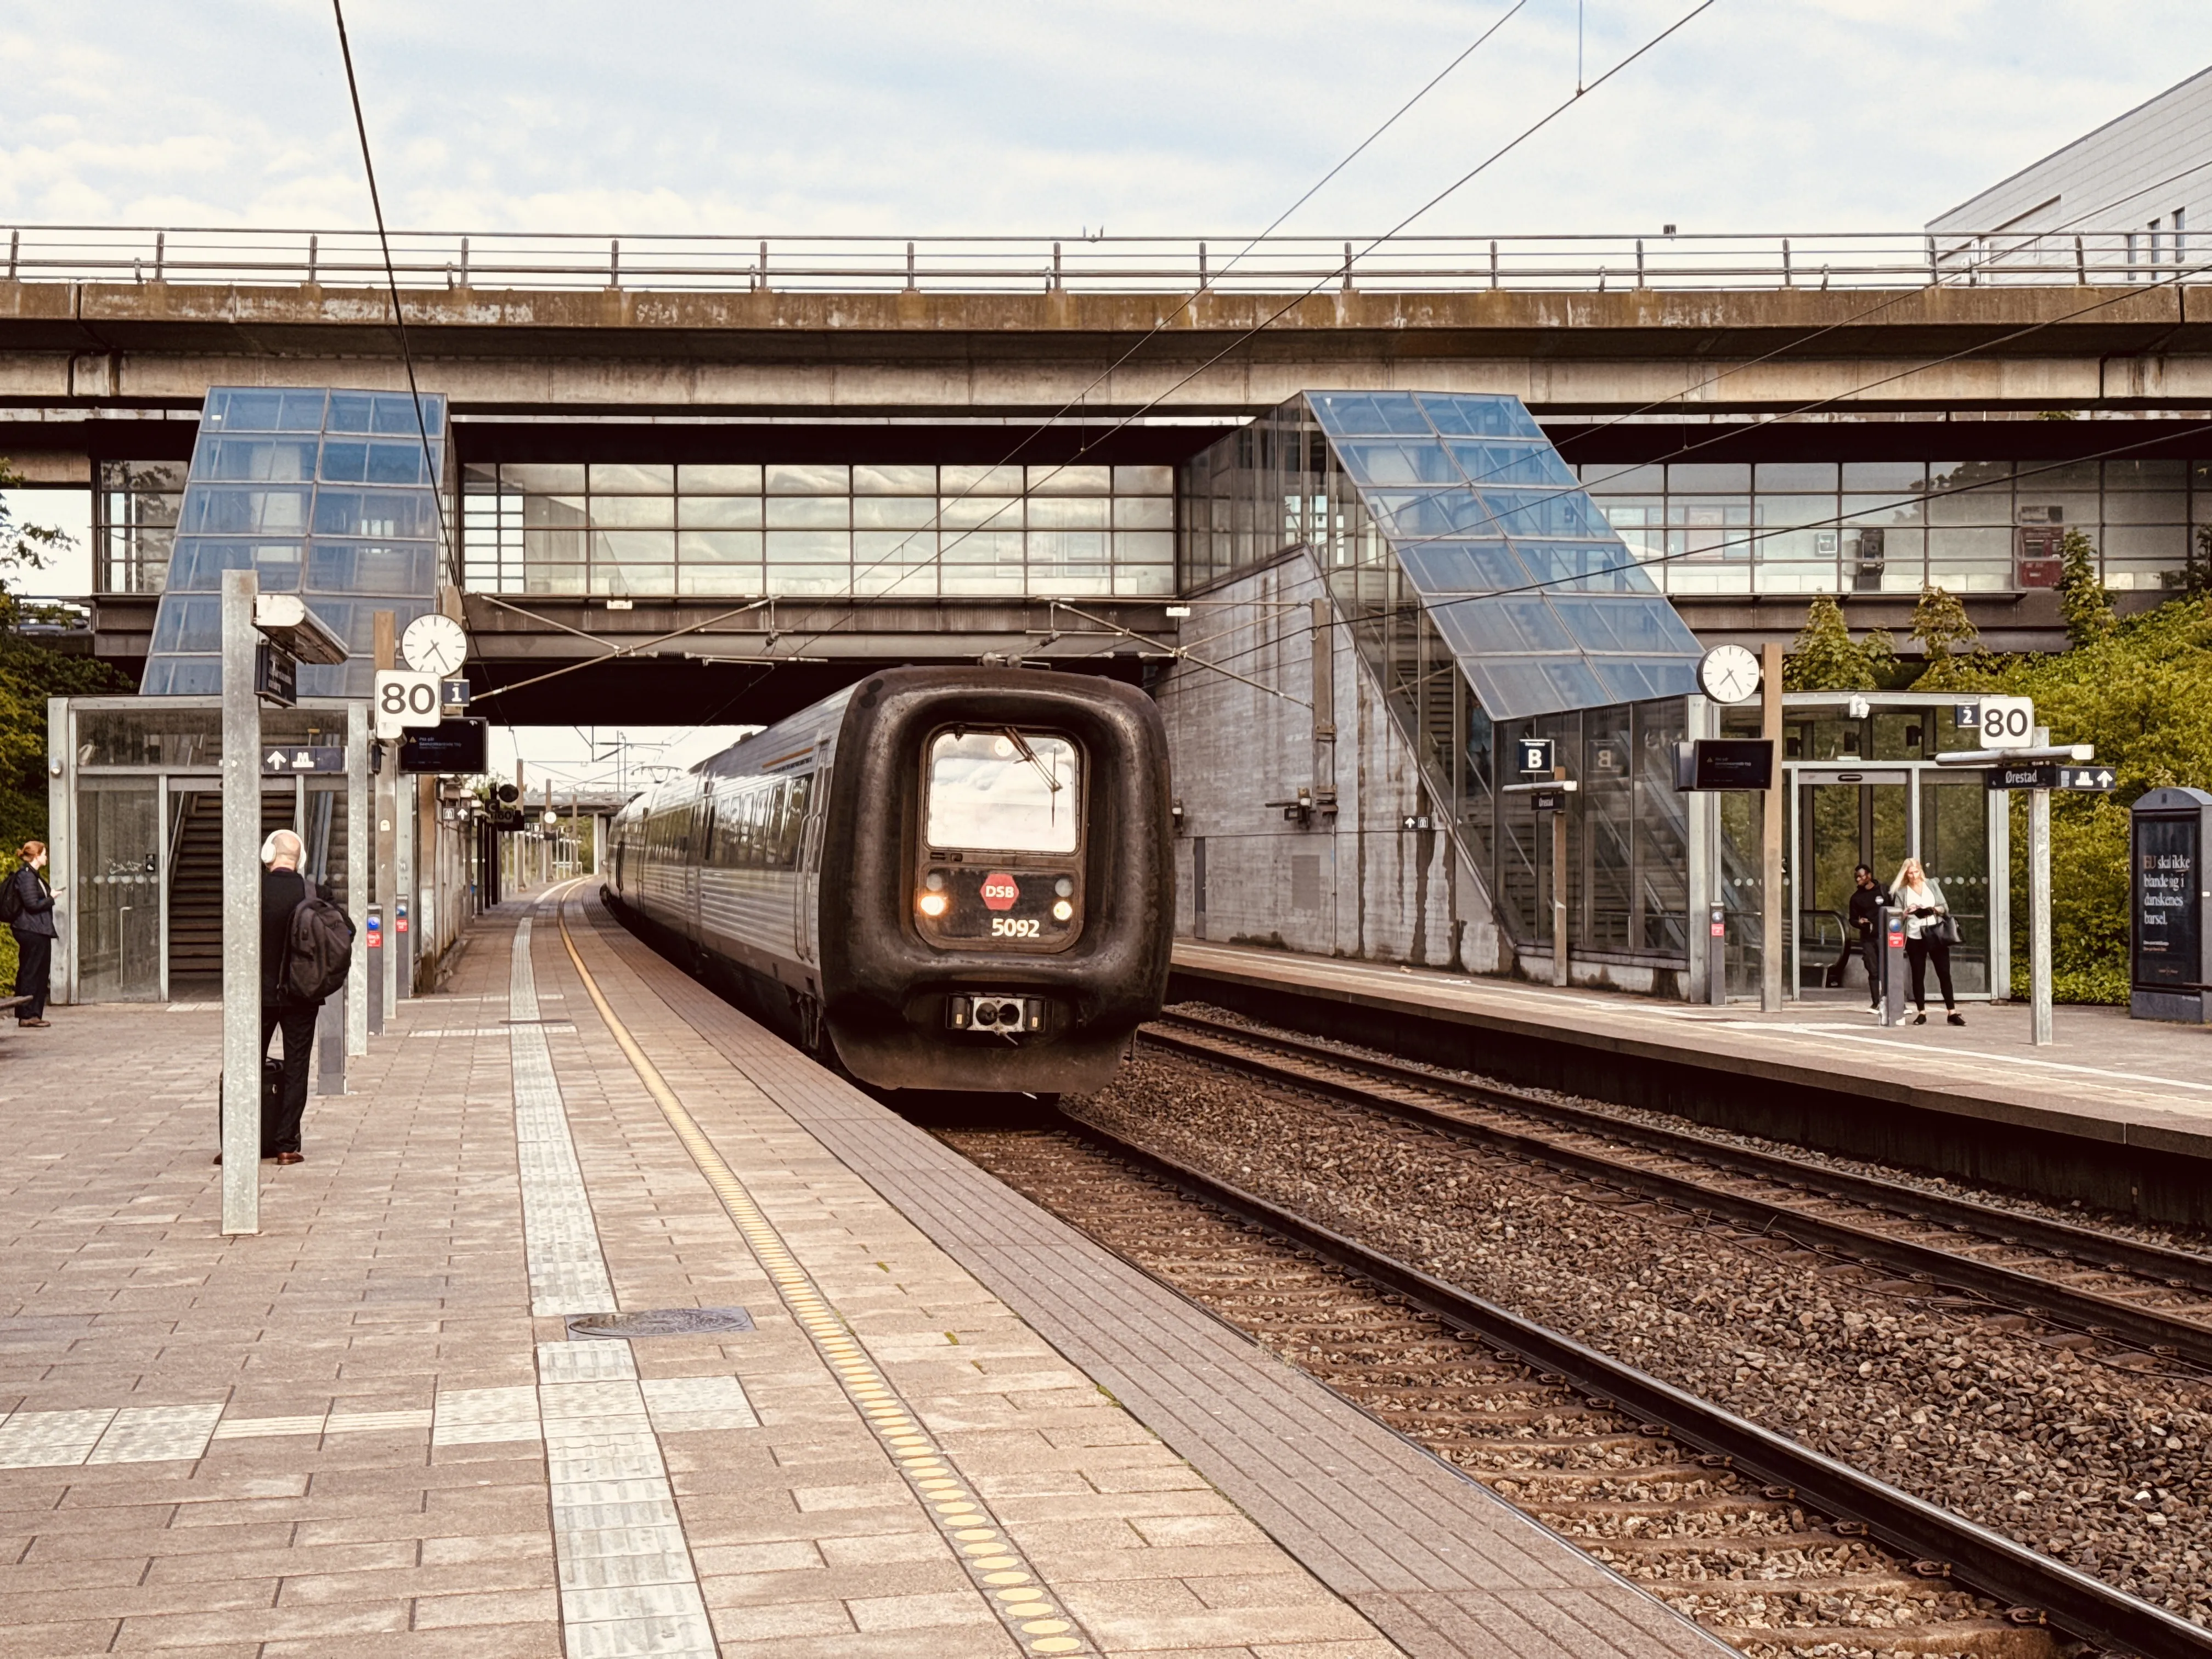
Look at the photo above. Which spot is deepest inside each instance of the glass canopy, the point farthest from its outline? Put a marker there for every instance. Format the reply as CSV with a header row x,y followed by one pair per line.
x,y
333,495
1463,504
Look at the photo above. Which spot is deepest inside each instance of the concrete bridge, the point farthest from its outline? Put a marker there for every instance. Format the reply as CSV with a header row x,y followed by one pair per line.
x,y
915,354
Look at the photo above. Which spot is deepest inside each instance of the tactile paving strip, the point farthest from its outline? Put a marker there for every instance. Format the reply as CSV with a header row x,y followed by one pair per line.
x,y
995,1563
568,1273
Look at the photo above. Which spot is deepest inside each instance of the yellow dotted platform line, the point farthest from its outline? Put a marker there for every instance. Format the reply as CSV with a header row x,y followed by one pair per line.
x,y
994,1561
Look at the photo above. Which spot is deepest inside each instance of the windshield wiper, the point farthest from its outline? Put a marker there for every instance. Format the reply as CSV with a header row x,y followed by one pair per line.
x,y
1030,755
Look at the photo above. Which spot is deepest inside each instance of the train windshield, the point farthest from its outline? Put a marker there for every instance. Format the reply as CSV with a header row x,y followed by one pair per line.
x,y
1005,790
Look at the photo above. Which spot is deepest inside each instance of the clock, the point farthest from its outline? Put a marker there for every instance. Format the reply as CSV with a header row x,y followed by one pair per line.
x,y
434,644
1727,673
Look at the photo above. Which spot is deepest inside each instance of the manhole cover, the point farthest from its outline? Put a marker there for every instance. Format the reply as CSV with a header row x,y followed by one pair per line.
x,y
662,1321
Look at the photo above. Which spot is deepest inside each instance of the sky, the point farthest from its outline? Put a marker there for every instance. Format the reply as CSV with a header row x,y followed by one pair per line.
x,y
1138,117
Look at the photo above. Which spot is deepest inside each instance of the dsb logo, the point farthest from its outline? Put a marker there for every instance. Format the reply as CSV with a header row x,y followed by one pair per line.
x,y
999,891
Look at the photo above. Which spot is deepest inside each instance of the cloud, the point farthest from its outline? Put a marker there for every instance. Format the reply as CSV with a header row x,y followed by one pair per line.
x,y
1151,118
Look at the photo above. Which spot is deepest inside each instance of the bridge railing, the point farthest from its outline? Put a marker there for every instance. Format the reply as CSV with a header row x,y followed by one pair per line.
x,y
1281,266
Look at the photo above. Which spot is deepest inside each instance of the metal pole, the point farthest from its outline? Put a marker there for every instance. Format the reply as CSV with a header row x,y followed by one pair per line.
x,y
1770,839
242,910
387,829
1559,884
2038,914
358,810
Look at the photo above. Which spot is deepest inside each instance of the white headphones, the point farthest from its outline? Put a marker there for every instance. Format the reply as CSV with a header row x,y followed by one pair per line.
x,y
269,847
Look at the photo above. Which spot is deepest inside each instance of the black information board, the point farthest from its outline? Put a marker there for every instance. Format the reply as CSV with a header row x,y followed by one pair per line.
x,y
450,746
1725,763
2168,945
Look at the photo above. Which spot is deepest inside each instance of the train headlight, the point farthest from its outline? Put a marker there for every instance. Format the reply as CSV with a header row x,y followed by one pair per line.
x,y
1062,910
932,904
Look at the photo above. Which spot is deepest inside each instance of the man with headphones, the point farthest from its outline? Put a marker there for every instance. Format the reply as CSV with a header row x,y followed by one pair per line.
x,y
283,890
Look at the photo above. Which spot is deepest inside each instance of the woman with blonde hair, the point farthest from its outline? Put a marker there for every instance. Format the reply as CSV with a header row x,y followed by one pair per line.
x,y
1929,933
28,910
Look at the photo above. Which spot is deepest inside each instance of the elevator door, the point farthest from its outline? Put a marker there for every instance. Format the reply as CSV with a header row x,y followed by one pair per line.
x,y
1845,820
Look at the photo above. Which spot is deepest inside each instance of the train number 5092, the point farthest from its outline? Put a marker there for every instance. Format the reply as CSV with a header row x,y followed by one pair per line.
x,y
1016,927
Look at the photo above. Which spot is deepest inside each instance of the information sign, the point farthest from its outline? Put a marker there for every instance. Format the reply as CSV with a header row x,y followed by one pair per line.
x,y
276,675
2096,780
1535,755
276,762
1725,763
2166,921
453,747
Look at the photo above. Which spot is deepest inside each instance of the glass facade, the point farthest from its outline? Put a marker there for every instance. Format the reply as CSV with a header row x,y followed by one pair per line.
x,y
818,530
1890,527
1457,506
333,495
134,525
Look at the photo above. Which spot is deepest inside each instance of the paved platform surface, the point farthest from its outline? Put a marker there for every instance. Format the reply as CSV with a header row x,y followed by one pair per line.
x,y
2105,1077
371,1429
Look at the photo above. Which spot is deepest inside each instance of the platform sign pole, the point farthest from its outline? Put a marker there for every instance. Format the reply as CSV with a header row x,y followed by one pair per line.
x,y
1770,836
2038,906
1560,885
242,909
359,808
386,814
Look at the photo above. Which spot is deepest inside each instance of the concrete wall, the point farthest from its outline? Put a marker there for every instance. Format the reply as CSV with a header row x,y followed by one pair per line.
x,y
76,344
1353,882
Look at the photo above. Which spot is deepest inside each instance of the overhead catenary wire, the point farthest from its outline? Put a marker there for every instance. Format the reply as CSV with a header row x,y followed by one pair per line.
x,y
391,284
1253,331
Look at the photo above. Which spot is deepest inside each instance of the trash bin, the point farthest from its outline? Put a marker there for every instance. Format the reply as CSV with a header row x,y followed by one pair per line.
x,y
2170,903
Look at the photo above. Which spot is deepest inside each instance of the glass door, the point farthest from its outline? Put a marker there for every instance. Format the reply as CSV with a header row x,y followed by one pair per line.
x,y
119,897
1954,849
1844,819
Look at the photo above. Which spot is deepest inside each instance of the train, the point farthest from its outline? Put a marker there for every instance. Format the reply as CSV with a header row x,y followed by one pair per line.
x,y
936,879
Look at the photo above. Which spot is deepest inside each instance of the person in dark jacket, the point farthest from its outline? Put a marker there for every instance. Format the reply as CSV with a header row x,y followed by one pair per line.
x,y
283,890
1866,918
32,925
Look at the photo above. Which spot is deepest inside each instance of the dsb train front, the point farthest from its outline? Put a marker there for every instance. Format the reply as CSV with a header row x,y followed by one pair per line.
x,y
956,878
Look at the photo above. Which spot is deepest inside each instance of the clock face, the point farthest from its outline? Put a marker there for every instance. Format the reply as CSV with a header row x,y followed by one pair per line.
x,y
1728,674
434,644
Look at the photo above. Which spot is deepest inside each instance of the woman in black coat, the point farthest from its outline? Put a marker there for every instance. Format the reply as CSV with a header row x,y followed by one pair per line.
x,y
30,919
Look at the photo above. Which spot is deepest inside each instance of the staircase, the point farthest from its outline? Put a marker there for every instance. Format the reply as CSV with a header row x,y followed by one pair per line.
x,y
196,887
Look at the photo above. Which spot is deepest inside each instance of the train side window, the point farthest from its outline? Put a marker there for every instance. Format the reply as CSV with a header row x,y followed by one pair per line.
x,y
794,824
1005,790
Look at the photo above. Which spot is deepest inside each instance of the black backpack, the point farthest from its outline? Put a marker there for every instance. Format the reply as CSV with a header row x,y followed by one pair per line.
x,y
318,951
11,897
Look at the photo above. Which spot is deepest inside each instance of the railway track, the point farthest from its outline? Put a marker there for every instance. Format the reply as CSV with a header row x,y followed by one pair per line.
x,y
2132,1304
1772,1547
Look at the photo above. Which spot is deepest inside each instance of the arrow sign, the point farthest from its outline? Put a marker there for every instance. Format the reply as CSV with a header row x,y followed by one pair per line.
x,y
2097,780
319,758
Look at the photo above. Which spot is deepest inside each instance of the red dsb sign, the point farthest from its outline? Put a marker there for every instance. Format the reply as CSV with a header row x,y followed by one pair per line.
x,y
999,891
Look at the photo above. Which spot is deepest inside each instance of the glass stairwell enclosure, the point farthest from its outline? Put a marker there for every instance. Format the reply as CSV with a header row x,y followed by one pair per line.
x,y
1490,600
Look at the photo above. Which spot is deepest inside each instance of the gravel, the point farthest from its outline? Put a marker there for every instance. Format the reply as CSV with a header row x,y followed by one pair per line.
x,y
2196,1240
2100,1467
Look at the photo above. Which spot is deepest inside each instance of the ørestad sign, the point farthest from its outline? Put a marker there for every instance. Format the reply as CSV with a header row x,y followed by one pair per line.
x,y
2096,780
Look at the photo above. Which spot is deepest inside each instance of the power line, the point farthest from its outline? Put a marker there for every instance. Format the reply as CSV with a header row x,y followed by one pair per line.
x,y
1255,331
391,283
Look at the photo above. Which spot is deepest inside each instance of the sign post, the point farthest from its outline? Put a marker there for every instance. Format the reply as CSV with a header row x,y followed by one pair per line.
x,y
1769,838
1716,955
2039,898
1550,799
241,908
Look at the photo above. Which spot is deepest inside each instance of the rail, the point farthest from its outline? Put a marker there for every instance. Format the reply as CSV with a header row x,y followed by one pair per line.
x,y
1394,1090
1973,1555
505,261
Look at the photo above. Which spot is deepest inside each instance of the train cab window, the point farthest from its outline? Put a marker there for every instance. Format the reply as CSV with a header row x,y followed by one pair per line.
x,y
1005,790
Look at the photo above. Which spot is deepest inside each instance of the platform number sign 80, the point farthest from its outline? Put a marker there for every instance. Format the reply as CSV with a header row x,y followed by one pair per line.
x,y
403,698
2007,722
400,701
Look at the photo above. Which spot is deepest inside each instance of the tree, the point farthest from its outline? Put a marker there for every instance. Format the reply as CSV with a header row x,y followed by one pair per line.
x,y
2083,600
31,672
1823,658
1940,624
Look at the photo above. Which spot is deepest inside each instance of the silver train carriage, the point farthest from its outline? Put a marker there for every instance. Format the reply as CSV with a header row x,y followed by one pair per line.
x,y
956,878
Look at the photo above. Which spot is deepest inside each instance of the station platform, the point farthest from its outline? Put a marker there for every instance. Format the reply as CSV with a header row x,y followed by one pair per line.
x,y
855,1396
2116,1111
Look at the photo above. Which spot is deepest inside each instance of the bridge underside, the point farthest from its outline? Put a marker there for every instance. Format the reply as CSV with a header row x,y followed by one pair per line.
x,y
97,374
